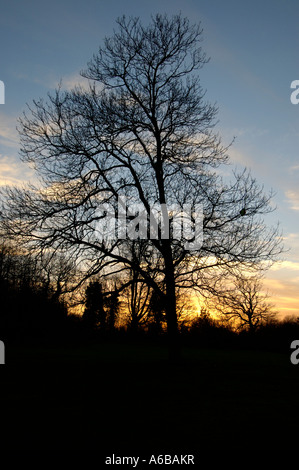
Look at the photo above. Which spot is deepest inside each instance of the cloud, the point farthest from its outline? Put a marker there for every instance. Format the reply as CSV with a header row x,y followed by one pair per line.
x,y
293,168
71,81
8,133
287,270
283,294
282,279
240,157
68,82
290,265
51,80
292,238
13,171
293,199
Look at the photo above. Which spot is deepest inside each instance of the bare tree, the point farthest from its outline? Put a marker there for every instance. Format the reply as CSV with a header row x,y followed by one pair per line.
x,y
245,304
135,290
144,131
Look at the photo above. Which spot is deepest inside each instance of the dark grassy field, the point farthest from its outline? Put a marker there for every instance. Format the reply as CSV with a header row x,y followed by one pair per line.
x,y
122,398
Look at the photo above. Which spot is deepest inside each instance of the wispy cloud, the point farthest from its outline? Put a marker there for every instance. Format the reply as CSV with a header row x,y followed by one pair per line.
x,y
283,294
71,81
293,199
51,80
240,157
8,133
289,265
292,240
293,168
282,279
13,171
68,82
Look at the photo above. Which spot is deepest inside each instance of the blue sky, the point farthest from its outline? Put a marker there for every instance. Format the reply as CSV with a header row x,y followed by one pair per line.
x,y
254,51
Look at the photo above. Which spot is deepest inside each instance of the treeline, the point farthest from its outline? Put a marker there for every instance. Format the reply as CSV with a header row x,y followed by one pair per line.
x,y
40,301
30,293
35,307
274,334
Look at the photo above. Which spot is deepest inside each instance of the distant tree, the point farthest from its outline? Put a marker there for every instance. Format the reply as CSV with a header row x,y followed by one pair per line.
x,y
245,304
142,130
112,305
157,312
94,312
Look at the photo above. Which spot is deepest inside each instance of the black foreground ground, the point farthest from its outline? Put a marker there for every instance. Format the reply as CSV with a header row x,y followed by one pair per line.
x,y
128,399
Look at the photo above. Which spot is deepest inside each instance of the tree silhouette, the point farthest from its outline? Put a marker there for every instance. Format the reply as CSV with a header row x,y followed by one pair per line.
x,y
113,305
94,313
245,304
143,131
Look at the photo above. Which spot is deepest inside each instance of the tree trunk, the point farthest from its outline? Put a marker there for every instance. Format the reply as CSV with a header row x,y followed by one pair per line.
x,y
170,308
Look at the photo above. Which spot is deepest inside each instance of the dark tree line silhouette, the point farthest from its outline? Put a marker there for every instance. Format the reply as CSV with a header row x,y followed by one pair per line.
x,y
35,308
31,303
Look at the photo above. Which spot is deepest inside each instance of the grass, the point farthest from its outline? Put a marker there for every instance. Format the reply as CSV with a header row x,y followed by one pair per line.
x,y
112,397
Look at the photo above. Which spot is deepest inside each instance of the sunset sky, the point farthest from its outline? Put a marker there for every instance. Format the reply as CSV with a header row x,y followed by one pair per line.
x,y
254,51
